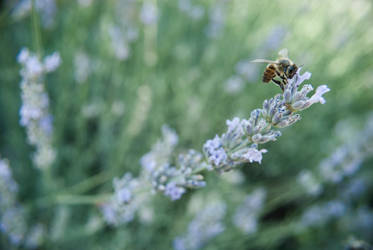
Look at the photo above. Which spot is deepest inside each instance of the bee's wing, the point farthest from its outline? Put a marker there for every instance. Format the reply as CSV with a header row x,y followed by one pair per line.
x,y
263,61
284,53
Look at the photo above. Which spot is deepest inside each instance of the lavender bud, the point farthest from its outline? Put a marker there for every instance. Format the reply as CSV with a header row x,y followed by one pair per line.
x,y
256,138
287,96
272,111
298,105
249,128
271,136
276,118
266,105
288,121
255,116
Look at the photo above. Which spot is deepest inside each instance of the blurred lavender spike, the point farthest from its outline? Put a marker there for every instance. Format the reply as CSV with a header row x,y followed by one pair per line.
x,y
34,112
246,215
13,215
206,225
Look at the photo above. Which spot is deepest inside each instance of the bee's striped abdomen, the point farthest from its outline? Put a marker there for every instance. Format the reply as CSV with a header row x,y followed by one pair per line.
x,y
269,73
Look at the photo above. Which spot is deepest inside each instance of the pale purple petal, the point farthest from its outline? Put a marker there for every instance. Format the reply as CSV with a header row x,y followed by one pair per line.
x,y
254,155
317,97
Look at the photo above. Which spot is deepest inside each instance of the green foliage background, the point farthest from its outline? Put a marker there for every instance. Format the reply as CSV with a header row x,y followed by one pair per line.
x,y
185,89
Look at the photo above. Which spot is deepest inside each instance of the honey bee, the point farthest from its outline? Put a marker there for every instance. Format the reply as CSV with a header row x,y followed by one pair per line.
x,y
283,67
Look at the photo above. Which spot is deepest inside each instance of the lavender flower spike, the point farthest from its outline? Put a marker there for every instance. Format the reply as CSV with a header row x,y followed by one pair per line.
x,y
240,144
207,224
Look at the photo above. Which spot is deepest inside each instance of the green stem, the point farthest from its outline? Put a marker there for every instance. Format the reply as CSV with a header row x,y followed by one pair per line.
x,y
82,199
73,191
244,144
48,180
200,169
272,234
89,183
283,198
36,33
68,199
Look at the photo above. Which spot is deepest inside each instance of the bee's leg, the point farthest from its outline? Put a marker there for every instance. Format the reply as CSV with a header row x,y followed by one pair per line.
x,y
284,80
282,77
279,84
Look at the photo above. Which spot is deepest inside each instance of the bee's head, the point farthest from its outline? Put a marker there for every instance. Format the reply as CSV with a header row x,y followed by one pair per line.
x,y
291,71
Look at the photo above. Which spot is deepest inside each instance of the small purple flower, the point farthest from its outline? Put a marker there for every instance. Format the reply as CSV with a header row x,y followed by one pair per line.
x,y
215,151
52,62
173,191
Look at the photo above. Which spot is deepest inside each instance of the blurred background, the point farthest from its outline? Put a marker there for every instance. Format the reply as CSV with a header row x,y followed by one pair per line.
x,y
130,66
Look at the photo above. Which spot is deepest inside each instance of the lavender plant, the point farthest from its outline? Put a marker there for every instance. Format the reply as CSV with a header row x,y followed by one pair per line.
x,y
239,145
129,66
34,113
